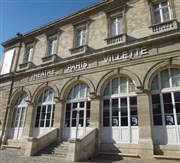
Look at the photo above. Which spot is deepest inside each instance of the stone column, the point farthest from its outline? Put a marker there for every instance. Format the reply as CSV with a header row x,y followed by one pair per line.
x,y
29,122
59,117
7,123
145,131
95,118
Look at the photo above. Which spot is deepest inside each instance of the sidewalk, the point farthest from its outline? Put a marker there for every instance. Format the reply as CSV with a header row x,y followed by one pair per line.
x,y
13,156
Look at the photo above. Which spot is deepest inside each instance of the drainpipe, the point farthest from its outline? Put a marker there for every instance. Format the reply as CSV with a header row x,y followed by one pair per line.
x,y
8,108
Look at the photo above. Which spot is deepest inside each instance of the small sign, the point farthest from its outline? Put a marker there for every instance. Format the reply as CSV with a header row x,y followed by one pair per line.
x,y
78,65
44,73
125,55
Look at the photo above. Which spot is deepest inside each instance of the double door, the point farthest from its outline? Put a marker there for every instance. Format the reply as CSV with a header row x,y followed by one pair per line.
x,y
17,126
76,119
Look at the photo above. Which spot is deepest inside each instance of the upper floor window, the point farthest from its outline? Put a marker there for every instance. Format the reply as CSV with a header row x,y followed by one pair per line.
x,y
52,46
161,12
116,33
29,54
116,26
81,37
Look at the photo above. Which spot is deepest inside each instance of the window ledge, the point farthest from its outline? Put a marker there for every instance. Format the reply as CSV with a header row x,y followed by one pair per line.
x,y
116,39
163,27
26,65
79,50
49,59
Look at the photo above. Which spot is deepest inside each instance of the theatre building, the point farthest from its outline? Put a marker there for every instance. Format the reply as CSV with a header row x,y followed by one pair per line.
x,y
105,79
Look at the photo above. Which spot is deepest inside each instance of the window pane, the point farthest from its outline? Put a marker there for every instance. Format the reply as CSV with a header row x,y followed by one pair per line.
x,y
82,90
164,79
115,86
124,121
123,85
73,122
167,98
154,84
166,15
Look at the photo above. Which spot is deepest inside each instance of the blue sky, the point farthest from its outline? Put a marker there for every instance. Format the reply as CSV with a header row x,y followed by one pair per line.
x,y
25,15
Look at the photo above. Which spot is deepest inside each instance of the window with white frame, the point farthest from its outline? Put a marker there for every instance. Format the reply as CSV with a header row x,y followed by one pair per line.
x,y
29,54
161,12
120,103
116,26
52,46
45,109
81,37
77,100
165,95
19,111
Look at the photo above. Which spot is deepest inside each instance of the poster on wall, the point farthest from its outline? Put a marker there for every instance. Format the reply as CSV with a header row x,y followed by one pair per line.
x,y
7,61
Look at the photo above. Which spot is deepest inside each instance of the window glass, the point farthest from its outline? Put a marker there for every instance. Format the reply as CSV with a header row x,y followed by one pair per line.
x,y
45,109
161,12
164,79
115,84
123,84
52,46
106,112
155,84
175,74
81,37
116,26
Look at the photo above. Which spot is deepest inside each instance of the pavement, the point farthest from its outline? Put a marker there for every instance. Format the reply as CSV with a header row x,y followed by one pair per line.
x,y
14,156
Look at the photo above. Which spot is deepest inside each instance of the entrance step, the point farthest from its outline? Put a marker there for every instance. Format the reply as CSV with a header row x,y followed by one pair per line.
x,y
55,149
118,154
166,157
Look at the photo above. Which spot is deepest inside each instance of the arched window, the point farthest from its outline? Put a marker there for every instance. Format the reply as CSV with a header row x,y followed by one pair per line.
x,y
165,95
45,109
119,110
19,114
77,115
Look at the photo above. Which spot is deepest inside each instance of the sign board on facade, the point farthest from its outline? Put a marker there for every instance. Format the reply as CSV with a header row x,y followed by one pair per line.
x,y
78,65
7,62
44,73
125,55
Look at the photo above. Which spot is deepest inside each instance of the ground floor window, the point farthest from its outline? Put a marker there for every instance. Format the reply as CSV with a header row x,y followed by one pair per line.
x,y
44,113
120,115
19,114
165,97
77,114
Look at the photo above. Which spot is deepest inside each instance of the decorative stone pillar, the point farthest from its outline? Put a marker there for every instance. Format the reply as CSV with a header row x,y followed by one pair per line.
x,y
145,131
7,124
59,117
29,123
95,117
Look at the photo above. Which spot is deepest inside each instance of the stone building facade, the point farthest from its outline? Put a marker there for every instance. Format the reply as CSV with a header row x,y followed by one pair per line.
x,y
106,78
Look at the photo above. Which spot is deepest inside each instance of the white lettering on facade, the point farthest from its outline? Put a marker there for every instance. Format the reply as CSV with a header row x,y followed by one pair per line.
x,y
78,65
43,73
125,55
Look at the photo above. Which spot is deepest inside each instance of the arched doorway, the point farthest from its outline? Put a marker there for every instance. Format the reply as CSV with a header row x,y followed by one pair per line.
x,y
77,114
44,113
19,115
120,116
165,98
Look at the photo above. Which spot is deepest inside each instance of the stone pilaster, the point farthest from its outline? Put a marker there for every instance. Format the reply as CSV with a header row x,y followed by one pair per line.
x,y
59,117
29,123
145,130
95,118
